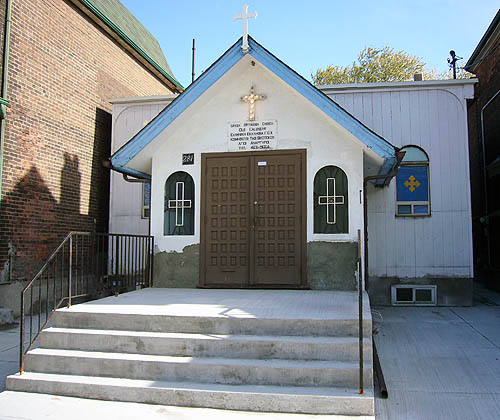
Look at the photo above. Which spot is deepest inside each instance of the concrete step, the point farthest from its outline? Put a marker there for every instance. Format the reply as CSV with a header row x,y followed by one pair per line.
x,y
344,349
295,399
286,351
342,327
201,369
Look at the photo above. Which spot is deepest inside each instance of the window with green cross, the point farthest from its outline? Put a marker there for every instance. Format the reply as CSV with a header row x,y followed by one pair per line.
x,y
179,205
331,213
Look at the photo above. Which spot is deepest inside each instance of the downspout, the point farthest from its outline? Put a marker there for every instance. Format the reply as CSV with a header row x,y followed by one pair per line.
x,y
5,78
135,180
145,181
107,164
399,157
485,177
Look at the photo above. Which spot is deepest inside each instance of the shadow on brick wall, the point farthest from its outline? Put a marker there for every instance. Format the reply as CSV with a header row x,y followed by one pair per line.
x,y
28,227
100,176
33,221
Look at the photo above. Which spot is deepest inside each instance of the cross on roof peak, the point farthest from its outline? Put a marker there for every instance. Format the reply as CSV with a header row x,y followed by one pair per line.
x,y
244,17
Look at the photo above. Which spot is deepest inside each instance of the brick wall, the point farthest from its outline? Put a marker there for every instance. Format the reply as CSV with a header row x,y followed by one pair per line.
x,y
63,70
488,73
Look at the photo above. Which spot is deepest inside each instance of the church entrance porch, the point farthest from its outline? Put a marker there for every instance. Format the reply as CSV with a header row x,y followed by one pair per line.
x,y
253,219
253,350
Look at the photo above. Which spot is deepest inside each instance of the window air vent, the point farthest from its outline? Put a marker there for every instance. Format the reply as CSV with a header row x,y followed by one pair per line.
x,y
414,295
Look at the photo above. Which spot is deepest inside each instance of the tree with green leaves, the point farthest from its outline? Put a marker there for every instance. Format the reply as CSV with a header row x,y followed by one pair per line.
x,y
377,65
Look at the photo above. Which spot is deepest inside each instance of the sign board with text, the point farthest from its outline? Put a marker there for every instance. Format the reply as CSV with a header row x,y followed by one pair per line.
x,y
244,136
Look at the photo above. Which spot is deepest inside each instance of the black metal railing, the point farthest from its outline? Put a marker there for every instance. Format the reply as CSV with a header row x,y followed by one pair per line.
x,y
84,266
360,313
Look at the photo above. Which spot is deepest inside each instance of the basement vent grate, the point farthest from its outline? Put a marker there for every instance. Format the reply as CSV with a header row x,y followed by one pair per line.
x,y
414,295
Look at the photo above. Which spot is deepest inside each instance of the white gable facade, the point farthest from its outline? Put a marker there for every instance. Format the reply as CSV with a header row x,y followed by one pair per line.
x,y
204,129
313,133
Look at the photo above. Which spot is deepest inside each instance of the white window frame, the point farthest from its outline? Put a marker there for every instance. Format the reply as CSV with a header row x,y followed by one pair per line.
x,y
412,204
145,207
414,302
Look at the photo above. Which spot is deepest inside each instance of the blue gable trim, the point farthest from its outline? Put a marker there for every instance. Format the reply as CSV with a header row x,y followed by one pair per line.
x,y
379,145
131,172
386,168
129,150
232,56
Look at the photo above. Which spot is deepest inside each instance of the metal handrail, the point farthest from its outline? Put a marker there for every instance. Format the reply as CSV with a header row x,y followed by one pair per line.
x,y
37,275
85,266
360,314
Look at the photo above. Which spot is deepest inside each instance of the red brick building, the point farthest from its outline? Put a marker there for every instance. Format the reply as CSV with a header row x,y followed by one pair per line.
x,y
67,58
484,135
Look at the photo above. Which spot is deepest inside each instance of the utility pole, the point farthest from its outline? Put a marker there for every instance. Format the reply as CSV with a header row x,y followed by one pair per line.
x,y
192,64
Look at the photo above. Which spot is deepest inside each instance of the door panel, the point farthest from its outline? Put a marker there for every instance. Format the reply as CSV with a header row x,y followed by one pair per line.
x,y
227,217
278,213
253,211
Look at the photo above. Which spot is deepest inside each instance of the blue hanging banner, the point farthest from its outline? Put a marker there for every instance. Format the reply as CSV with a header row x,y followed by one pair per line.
x,y
412,183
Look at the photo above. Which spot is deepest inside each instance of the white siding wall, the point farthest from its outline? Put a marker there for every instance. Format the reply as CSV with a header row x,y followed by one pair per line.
x,y
435,119
126,198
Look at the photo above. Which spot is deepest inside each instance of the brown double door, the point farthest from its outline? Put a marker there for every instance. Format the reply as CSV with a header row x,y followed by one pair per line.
x,y
253,219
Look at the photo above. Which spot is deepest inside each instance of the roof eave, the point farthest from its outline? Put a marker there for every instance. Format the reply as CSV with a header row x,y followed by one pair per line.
x,y
130,149
375,142
387,167
130,172
398,85
471,65
137,52
369,138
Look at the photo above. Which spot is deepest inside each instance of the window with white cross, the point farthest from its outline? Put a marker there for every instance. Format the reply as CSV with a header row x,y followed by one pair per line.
x,y
331,213
179,205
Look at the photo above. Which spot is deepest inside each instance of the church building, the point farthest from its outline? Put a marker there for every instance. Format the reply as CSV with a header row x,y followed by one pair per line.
x,y
252,178
259,179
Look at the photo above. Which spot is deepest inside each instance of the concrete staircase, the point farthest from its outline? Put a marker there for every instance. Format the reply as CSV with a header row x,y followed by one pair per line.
x,y
252,364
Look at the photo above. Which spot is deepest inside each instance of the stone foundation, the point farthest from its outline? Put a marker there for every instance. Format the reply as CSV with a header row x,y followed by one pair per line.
x,y
178,269
330,266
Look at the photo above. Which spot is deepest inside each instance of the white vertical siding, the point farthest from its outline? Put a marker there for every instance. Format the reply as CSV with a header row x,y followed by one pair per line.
x,y
433,118
126,198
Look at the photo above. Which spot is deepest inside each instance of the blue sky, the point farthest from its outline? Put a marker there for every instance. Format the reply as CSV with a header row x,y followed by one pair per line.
x,y
311,34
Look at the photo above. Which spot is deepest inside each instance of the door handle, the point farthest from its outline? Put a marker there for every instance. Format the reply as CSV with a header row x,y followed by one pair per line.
x,y
255,214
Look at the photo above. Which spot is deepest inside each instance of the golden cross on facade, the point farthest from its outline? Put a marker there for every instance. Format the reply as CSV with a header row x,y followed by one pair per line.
x,y
412,183
251,101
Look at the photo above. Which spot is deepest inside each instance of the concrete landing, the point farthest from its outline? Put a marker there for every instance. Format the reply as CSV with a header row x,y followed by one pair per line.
x,y
232,303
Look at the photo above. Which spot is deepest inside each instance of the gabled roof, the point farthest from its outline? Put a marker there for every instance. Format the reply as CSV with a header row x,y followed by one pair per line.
x,y
233,55
488,43
120,23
